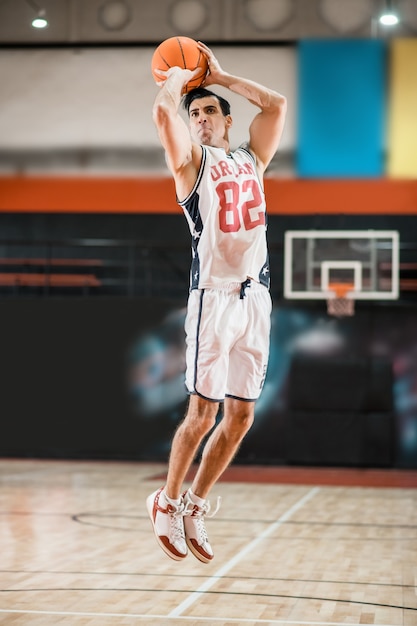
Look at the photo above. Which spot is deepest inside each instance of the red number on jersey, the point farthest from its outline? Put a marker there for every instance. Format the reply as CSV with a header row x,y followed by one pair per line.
x,y
229,219
256,202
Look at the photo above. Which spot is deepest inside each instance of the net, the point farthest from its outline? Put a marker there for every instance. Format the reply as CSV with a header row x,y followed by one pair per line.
x,y
338,304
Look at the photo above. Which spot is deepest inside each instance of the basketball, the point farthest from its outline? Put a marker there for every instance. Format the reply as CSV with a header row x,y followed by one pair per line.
x,y
182,52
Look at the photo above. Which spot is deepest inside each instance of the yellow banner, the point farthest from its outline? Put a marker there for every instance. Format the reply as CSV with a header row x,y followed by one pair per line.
x,y
402,121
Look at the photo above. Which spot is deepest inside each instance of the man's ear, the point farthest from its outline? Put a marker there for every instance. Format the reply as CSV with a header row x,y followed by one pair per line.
x,y
229,121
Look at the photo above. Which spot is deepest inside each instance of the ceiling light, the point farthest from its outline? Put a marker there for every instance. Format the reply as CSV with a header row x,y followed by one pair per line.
x,y
39,21
389,16
388,19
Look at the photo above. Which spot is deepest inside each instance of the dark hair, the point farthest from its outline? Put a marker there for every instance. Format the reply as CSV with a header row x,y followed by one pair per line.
x,y
200,92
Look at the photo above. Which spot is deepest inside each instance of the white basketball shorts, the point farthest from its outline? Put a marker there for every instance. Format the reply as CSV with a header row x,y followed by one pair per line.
x,y
227,339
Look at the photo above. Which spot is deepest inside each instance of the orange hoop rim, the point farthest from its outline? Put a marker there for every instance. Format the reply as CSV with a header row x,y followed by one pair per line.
x,y
340,290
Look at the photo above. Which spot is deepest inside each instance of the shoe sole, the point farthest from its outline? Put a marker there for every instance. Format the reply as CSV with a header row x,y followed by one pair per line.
x,y
149,506
196,553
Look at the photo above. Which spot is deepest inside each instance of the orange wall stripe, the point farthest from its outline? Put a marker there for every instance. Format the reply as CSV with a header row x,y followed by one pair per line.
x,y
87,195
305,197
157,195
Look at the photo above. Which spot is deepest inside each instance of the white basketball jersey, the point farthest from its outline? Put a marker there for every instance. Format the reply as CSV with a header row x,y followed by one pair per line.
x,y
226,214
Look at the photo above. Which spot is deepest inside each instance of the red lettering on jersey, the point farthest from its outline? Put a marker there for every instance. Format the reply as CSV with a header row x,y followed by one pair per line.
x,y
225,168
215,174
248,168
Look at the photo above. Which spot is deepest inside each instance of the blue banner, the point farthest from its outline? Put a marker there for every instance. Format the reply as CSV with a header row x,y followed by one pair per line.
x,y
341,111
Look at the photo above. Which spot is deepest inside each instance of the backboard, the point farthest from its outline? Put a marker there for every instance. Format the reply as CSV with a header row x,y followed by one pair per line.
x,y
316,260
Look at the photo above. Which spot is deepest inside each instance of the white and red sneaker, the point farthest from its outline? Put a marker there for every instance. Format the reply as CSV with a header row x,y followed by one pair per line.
x,y
195,529
168,525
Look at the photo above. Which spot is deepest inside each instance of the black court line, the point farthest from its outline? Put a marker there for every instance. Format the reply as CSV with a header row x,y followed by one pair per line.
x,y
210,592
203,577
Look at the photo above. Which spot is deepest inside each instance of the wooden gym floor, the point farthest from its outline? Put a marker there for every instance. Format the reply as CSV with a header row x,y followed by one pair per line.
x,y
292,546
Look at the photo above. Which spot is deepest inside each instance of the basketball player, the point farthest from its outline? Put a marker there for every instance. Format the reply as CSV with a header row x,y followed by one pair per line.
x,y
228,316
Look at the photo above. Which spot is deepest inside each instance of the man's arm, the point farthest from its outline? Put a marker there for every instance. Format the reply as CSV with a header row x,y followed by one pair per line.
x,y
266,128
173,131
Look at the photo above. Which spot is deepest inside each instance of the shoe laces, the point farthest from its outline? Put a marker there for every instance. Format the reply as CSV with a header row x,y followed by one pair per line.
x,y
176,525
198,513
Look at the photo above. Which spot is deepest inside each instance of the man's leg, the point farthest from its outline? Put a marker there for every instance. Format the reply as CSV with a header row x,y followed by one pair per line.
x,y
218,452
223,444
199,420
165,506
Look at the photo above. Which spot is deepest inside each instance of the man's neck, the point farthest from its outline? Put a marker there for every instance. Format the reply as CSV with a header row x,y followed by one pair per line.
x,y
222,145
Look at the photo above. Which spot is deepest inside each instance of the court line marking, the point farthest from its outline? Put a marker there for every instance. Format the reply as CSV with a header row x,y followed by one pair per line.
x,y
196,594
147,616
239,556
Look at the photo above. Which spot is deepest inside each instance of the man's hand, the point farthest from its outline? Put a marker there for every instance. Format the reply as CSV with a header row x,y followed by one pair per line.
x,y
215,71
186,75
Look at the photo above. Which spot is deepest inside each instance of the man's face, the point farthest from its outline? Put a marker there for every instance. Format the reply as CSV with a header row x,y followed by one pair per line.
x,y
208,125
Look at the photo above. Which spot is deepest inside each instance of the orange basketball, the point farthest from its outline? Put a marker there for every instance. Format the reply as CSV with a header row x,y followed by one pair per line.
x,y
181,52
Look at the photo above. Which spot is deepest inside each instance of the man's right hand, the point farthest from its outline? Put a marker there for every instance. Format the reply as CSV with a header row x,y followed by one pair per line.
x,y
185,74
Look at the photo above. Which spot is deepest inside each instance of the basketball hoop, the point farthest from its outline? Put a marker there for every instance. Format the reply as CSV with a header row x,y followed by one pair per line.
x,y
338,302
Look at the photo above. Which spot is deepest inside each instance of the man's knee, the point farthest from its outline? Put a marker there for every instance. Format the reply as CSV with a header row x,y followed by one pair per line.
x,y
238,417
202,414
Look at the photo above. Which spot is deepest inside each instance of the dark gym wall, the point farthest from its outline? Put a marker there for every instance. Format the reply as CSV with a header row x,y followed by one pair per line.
x,y
85,377
104,379
172,228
